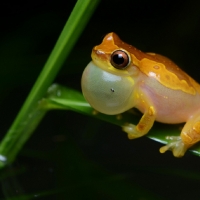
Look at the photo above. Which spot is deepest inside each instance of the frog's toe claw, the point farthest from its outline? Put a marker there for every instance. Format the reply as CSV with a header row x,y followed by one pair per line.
x,y
130,129
177,147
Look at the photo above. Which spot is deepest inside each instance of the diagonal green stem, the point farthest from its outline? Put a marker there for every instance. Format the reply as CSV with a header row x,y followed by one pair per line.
x,y
31,112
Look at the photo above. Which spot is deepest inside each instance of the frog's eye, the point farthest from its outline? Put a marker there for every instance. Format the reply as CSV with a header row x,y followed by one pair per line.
x,y
120,59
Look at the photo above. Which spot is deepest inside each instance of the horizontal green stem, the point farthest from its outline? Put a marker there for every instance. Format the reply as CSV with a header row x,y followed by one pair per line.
x,y
69,99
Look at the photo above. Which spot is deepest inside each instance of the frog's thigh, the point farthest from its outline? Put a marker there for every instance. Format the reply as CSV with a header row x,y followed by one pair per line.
x,y
144,125
190,135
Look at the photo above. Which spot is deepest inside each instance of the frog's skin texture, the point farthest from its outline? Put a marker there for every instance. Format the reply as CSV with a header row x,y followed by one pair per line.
x,y
121,77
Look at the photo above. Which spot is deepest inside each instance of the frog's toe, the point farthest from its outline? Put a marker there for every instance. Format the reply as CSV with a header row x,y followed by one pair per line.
x,y
173,138
131,130
177,147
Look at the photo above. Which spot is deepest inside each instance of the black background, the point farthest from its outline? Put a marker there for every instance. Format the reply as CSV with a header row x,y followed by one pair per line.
x,y
92,159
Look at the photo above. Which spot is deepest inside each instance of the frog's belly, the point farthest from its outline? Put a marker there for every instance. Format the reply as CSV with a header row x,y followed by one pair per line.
x,y
171,106
176,109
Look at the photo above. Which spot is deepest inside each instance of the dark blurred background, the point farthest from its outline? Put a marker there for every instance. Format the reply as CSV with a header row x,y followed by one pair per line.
x,y
92,159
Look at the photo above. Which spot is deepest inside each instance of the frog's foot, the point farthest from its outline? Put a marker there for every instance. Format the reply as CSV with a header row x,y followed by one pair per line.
x,y
132,131
176,145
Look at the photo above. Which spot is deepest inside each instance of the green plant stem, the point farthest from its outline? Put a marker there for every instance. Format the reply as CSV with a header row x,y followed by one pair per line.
x,y
31,113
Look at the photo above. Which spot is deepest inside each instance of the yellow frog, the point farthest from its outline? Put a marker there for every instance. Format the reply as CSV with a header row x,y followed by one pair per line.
x,y
121,77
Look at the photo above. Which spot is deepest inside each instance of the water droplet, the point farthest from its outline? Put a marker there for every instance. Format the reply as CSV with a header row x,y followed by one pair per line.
x,y
3,158
58,93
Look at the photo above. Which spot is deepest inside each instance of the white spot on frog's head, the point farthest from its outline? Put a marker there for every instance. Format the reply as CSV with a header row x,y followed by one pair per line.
x,y
110,38
99,52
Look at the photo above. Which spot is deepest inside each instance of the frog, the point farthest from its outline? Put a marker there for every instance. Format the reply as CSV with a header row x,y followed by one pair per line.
x,y
121,77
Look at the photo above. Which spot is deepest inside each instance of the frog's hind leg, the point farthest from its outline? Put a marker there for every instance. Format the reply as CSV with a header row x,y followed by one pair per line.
x,y
190,135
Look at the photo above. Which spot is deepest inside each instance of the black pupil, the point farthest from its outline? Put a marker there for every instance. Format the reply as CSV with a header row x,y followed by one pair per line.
x,y
118,59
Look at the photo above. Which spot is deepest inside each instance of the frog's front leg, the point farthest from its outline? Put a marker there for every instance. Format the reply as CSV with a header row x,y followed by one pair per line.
x,y
144,125
190,135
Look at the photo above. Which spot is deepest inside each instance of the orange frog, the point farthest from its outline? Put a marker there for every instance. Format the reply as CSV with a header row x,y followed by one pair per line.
x,y
121,77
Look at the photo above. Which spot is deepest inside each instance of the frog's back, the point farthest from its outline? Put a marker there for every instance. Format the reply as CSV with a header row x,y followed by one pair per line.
x,y
169,74
159,67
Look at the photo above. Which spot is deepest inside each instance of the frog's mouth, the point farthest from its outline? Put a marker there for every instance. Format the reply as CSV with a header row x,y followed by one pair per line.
x,y
107,92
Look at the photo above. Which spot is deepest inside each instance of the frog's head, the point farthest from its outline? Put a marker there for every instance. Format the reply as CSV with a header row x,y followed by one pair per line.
x,y
108,80
115,56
